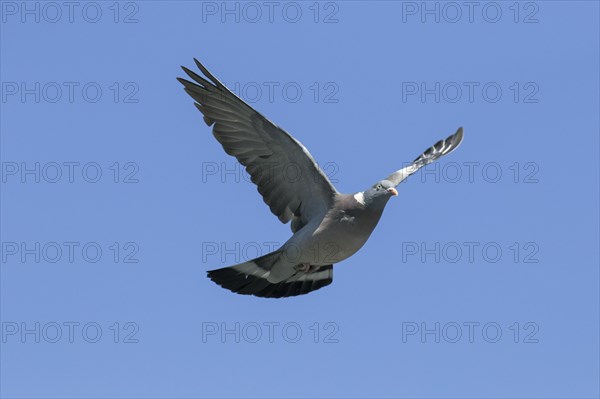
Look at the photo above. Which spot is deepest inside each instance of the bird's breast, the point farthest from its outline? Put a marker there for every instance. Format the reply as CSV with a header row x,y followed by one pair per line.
x,y
341,235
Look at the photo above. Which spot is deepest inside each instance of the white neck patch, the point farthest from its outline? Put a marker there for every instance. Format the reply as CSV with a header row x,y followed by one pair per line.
x,y
360,198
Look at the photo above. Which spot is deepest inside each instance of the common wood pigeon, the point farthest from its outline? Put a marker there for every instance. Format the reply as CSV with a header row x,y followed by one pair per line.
x,y
327,226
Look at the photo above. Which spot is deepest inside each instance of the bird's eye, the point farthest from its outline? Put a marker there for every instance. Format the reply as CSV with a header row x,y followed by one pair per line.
x,y
379,187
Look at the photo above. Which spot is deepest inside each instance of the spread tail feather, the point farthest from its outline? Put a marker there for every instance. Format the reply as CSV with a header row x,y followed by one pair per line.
x,y
250,278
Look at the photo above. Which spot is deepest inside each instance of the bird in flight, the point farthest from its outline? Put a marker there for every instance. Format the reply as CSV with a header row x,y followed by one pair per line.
x,y
327,226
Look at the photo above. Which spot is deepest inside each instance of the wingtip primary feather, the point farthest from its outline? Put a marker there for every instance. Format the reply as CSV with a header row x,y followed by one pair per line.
x,y
456,139
201,67
209,75
188,71
459,134
183,81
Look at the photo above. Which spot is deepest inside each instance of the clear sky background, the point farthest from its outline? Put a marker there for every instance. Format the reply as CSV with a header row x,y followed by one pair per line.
x,y
481,279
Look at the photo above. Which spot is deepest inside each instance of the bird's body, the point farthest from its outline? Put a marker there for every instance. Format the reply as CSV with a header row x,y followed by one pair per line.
x,y
347,227
342,231
328,227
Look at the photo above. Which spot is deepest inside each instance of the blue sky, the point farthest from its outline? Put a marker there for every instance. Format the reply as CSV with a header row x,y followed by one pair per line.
x,y
481,279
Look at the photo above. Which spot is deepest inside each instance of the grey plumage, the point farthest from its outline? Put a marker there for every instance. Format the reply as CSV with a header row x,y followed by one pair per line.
x,y
430,155
328,226
264,149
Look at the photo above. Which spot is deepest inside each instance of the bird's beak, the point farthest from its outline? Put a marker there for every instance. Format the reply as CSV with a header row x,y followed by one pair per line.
x,y
392,191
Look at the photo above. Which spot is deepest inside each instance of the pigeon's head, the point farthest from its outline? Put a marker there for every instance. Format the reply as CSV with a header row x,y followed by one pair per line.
x,y
379,193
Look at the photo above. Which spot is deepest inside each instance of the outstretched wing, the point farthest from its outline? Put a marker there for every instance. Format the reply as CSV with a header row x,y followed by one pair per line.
x,y
287,176
439,149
